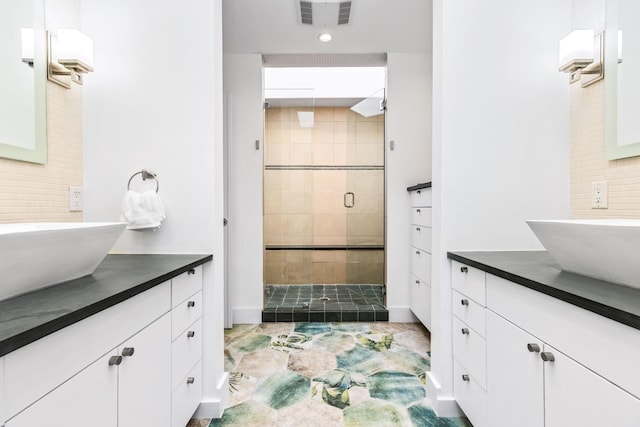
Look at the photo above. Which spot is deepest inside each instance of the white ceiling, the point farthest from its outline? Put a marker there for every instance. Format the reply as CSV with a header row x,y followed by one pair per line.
x,y
376,26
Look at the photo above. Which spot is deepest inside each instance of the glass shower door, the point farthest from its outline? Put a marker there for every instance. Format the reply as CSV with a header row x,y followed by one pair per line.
x,y
364,201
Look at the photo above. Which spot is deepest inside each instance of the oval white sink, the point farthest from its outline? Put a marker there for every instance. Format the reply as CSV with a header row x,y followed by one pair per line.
x,y
607,249
35,255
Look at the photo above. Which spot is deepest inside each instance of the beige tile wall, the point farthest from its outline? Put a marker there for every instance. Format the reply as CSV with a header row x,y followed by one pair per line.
x,y
588,163
324,267
306,207
35,193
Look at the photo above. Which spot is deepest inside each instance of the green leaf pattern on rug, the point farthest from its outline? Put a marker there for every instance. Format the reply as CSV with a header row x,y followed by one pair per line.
x,y
290,342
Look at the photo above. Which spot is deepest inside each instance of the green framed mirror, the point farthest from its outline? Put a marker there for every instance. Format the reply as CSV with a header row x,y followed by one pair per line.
x,y
622,85
23,118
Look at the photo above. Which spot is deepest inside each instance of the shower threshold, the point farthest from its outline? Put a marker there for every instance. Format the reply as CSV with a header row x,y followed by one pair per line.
x,y
324,303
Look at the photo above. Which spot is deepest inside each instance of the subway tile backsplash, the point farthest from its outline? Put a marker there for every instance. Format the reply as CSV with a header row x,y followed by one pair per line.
x,y
36,193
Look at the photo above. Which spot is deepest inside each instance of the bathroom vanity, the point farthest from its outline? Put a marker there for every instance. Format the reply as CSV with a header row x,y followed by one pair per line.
x,y
536,346
120,347
420,252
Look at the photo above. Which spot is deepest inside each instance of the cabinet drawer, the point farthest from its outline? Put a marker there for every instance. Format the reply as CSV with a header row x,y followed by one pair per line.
x,y
421,265
420,304
186,397
37,368
185,285
469,281
186,351
470,349
471,398
421,237
187,312
421,197
421,216
470,312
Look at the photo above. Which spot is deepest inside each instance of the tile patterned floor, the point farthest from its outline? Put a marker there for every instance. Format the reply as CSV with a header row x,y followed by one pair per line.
x,y
324,303
328,374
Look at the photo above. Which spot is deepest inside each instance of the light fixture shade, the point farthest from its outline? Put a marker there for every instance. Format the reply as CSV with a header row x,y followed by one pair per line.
x,y
75,50
27,45
576,50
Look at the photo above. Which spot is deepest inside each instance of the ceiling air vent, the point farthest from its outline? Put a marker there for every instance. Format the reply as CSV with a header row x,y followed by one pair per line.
x,y
306,12
344,12
323,13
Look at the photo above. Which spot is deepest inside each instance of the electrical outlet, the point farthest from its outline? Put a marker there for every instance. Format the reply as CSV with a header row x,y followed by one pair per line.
x,y
76,199
599,195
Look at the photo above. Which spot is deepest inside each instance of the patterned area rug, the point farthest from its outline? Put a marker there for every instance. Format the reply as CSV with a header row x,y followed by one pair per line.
x,y
328,374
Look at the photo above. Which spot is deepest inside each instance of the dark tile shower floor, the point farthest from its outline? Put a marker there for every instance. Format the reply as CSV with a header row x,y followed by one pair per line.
x,y
324,303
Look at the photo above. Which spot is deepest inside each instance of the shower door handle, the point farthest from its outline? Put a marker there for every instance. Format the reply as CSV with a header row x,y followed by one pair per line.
x,y
349,200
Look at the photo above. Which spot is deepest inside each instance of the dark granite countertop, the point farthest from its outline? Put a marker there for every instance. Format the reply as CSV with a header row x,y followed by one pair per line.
x,y
419,186
538,271
29,317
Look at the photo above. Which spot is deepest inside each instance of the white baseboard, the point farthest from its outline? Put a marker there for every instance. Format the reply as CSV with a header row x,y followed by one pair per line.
x,y
402,314
213,407
243,315
443,406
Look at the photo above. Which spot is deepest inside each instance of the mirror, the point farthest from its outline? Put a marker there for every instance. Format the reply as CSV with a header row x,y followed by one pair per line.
x,y
622,87
23,133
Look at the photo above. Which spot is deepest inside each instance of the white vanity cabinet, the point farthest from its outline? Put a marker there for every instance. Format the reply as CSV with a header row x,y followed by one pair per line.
x,y
186,346
548,363
469,341
124,366
420,252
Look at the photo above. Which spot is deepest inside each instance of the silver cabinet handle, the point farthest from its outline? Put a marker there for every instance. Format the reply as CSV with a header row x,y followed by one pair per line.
x,y
191,304
464,270
533,348
547,356
191,334
465,377
128,351
192,271
348,204
191,380
115,360
464,301
464,331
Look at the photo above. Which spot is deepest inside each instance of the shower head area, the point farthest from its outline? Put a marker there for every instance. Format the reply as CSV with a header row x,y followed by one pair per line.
x,y
324,199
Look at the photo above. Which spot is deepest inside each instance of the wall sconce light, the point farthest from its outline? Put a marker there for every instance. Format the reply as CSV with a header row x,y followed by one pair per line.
x,y
69,56
581,54
27,46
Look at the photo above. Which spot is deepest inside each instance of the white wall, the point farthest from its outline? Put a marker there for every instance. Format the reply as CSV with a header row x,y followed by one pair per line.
x,y
155,102
501,141
243,89
408,124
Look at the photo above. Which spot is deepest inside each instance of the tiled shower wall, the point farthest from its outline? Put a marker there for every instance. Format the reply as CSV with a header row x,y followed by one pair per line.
x,y
37,193
588,162
307,173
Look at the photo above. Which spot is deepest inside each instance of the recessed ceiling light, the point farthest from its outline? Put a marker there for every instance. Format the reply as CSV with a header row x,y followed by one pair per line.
x,y
325,37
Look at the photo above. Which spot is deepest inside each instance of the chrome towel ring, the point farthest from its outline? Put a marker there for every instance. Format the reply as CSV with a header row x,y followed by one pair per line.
x,y
145,175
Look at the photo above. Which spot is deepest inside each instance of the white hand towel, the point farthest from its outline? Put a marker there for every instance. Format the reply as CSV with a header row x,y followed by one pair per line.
x,y
142,211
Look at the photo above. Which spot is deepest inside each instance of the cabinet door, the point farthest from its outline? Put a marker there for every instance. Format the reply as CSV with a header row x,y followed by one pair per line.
x,y
145,377
88,398
576,396
515,395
